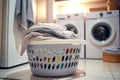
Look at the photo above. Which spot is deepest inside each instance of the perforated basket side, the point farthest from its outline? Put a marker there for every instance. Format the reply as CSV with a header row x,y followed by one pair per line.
x,y
53,59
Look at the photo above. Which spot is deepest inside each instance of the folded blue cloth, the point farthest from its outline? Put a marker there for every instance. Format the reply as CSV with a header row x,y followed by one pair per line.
x,y
112,50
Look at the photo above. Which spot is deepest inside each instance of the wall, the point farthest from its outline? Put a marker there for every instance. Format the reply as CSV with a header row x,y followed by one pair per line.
x,y
34,9
1,10
77,7
41,11
44,11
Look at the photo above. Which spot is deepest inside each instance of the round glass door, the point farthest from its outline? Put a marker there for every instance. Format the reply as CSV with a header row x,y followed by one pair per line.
x,y
101,32
71,27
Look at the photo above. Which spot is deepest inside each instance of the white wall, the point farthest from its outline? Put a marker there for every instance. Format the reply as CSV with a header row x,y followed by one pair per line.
x,y
34,9
62,8
44,11
1,10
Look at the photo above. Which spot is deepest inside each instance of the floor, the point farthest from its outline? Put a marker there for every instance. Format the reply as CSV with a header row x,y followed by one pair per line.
x,y
94,69
99,70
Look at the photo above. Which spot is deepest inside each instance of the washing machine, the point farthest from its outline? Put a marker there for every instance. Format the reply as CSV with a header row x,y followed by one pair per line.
x,y
71,21
102,30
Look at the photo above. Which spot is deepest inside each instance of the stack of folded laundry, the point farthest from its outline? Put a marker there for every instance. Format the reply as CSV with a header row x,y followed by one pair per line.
x,y
45,31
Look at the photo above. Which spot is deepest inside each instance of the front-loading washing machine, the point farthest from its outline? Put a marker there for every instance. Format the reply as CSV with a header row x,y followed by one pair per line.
x,y
73,21
102,30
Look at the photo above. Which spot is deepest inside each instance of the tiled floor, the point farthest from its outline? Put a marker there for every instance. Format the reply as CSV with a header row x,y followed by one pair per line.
x,y
6,72
100,70
95,70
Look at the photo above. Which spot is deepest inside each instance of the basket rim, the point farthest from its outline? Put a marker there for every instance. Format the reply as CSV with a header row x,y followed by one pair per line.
x,y
57,41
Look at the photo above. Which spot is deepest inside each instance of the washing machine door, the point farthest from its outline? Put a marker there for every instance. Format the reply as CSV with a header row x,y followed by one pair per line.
x,y
73,26
102,34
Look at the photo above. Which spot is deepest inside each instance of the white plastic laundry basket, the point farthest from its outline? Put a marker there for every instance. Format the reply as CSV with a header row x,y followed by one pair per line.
x,y
54,57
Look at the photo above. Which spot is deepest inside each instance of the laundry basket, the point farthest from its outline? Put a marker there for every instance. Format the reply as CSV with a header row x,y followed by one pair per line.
x,y
54,57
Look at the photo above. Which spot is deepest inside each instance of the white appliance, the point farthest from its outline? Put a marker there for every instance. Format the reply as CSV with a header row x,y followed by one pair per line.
x,y
102,30
73,20
11,38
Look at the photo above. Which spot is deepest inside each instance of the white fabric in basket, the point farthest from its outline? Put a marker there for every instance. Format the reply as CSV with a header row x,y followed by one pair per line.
x,y
61,32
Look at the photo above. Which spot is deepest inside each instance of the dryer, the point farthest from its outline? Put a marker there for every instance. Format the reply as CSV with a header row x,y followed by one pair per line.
x,y
102,30
75,21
